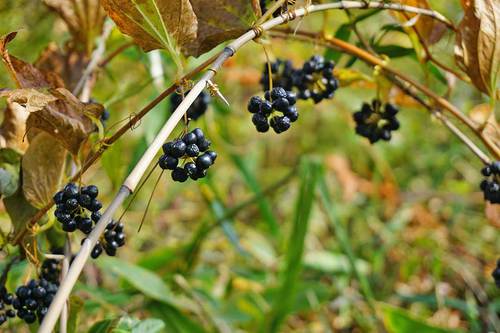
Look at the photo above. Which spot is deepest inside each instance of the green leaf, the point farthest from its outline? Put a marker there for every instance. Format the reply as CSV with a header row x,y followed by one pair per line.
x,y
75,306
103,326
175,320
9,156
9,179
393,51
19,209
263,203
309,171
148,326
398,320
140,278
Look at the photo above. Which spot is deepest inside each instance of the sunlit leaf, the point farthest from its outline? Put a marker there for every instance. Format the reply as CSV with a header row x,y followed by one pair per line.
x,y
477,48
196,26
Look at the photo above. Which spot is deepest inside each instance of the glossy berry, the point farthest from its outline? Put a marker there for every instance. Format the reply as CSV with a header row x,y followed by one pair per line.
x,y
179,175
168,162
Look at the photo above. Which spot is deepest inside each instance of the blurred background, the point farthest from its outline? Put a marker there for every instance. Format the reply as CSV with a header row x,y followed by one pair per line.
x,y
392,234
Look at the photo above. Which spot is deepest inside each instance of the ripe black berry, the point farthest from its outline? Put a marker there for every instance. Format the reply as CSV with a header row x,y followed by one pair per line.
x,y
491,184
179,175
193,161
375,122
197,109
168,162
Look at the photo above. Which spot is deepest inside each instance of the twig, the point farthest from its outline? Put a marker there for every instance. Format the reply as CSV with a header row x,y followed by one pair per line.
x,y
95,58
134,177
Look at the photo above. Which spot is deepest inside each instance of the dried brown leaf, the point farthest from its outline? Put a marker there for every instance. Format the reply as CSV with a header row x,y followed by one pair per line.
x,y
64,116
196,26
32,99
26,75
477,48
42,169
84,19
429,29
67,119
13,127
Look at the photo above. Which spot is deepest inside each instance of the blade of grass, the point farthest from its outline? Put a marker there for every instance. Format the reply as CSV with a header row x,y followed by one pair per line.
x,y
262,202
285,297
345,243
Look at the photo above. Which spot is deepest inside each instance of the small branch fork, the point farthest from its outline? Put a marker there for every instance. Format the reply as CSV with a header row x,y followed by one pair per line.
x,y
134,177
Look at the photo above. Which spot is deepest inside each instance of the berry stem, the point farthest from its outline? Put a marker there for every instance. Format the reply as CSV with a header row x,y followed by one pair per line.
x,y
133,179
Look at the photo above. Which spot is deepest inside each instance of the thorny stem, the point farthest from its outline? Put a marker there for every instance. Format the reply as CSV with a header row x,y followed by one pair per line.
x,y
373,60
134,177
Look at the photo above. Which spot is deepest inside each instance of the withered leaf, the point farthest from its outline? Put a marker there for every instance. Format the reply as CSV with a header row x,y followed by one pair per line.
x,y
13,127
67,119
26,75
42,169
84,19
477,48
196,26
32,99
428,28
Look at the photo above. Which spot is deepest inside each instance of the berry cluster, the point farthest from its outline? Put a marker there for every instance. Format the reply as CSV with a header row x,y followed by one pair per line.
x,y
6,300
491,185
315,80
113,238
51,268
282,75
192,149
33,300
77,208
197,109
496,274
278,110
374,122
